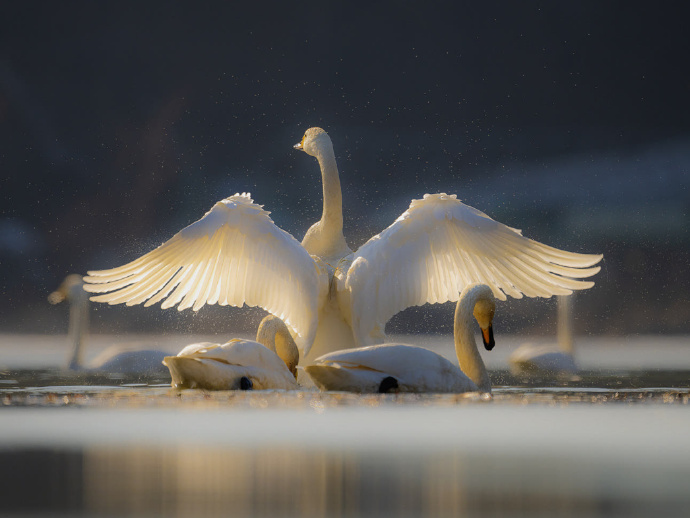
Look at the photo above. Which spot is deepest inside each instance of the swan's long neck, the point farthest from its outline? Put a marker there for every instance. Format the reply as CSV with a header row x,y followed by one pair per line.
x,y
332,216
470,360
565,323
78,326
325,238
266,334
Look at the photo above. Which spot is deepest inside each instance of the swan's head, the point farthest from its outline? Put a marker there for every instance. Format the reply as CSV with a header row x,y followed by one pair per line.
x,y
70,289
274,334
484,310
314,142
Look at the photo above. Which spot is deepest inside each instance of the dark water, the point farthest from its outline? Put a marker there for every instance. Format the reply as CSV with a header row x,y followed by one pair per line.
x,y
601,444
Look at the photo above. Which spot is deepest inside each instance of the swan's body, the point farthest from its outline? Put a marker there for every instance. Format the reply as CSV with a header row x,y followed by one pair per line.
x,y
270,362
329,297
116,359
407,368
549,360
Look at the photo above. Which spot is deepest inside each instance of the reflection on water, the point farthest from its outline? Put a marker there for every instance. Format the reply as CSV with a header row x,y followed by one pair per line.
x,y
195,480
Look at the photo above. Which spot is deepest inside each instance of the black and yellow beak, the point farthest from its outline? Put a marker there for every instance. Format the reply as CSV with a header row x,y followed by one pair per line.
x,y
299,145
488,338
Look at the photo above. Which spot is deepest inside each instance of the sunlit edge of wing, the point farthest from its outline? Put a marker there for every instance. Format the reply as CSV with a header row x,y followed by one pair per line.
x,y
275,272
437,247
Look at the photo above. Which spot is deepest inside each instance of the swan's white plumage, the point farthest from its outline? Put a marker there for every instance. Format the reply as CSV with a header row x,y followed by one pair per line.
x,y
543,359
413,368
234,255
220,366
546,359
363,369
270,362
440,245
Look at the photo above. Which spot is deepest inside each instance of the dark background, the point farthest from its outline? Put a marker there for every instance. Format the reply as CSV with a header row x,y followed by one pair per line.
x,y
120,123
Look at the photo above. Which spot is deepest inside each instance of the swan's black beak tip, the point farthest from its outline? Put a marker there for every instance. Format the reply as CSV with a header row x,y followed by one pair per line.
x,y
488,338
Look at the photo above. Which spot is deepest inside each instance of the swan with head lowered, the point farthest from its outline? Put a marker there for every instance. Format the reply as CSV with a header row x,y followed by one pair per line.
x,y
116,359
270,362
329,297
407,368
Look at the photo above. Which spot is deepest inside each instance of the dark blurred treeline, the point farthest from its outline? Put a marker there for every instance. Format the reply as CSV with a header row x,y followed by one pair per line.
x,y
120,123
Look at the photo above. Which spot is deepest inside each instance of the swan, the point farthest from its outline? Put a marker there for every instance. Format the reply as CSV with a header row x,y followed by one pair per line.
x,y
118,359
270,362
329,297
408,368
549,360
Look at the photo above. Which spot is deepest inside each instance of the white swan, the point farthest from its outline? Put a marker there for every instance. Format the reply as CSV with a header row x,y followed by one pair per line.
x,y
330,298
549,360
116,359
407,368
268,363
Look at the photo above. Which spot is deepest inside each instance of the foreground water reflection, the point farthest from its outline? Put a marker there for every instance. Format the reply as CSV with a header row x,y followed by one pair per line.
x,y
148,450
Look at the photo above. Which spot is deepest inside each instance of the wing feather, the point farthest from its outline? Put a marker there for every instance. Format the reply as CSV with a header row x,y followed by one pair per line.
x,y
234,255
437,247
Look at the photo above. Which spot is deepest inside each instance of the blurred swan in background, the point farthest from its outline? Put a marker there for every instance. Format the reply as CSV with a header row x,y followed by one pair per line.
x,y
329,297
549,360
270,362
407,368
117,359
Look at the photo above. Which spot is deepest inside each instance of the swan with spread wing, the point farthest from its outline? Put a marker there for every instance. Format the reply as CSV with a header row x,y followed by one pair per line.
x,y
330,297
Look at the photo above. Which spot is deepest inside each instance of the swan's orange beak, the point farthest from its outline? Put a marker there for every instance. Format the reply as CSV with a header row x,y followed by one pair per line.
x,y
299,145
488,338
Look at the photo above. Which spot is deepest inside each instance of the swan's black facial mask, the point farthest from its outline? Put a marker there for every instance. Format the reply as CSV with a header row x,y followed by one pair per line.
x,y
488,338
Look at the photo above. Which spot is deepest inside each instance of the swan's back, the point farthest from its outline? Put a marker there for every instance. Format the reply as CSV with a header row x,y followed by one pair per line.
x,y
221,367
415,369
129,360
541,359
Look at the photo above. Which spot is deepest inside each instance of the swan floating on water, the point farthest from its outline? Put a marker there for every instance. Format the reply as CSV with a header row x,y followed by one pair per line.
x,y
116,359
549,360
329,297
408,368
270,362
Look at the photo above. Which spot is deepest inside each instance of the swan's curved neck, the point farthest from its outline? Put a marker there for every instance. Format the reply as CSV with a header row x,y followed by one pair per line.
x,y
332,216
273,335
78,324
470,360
266,336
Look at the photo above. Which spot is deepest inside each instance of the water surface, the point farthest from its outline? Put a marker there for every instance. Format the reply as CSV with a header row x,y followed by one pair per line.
x,y
608,442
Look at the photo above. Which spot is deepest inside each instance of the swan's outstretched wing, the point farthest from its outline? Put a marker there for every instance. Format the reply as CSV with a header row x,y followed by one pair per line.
x,y
438,246
234,255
